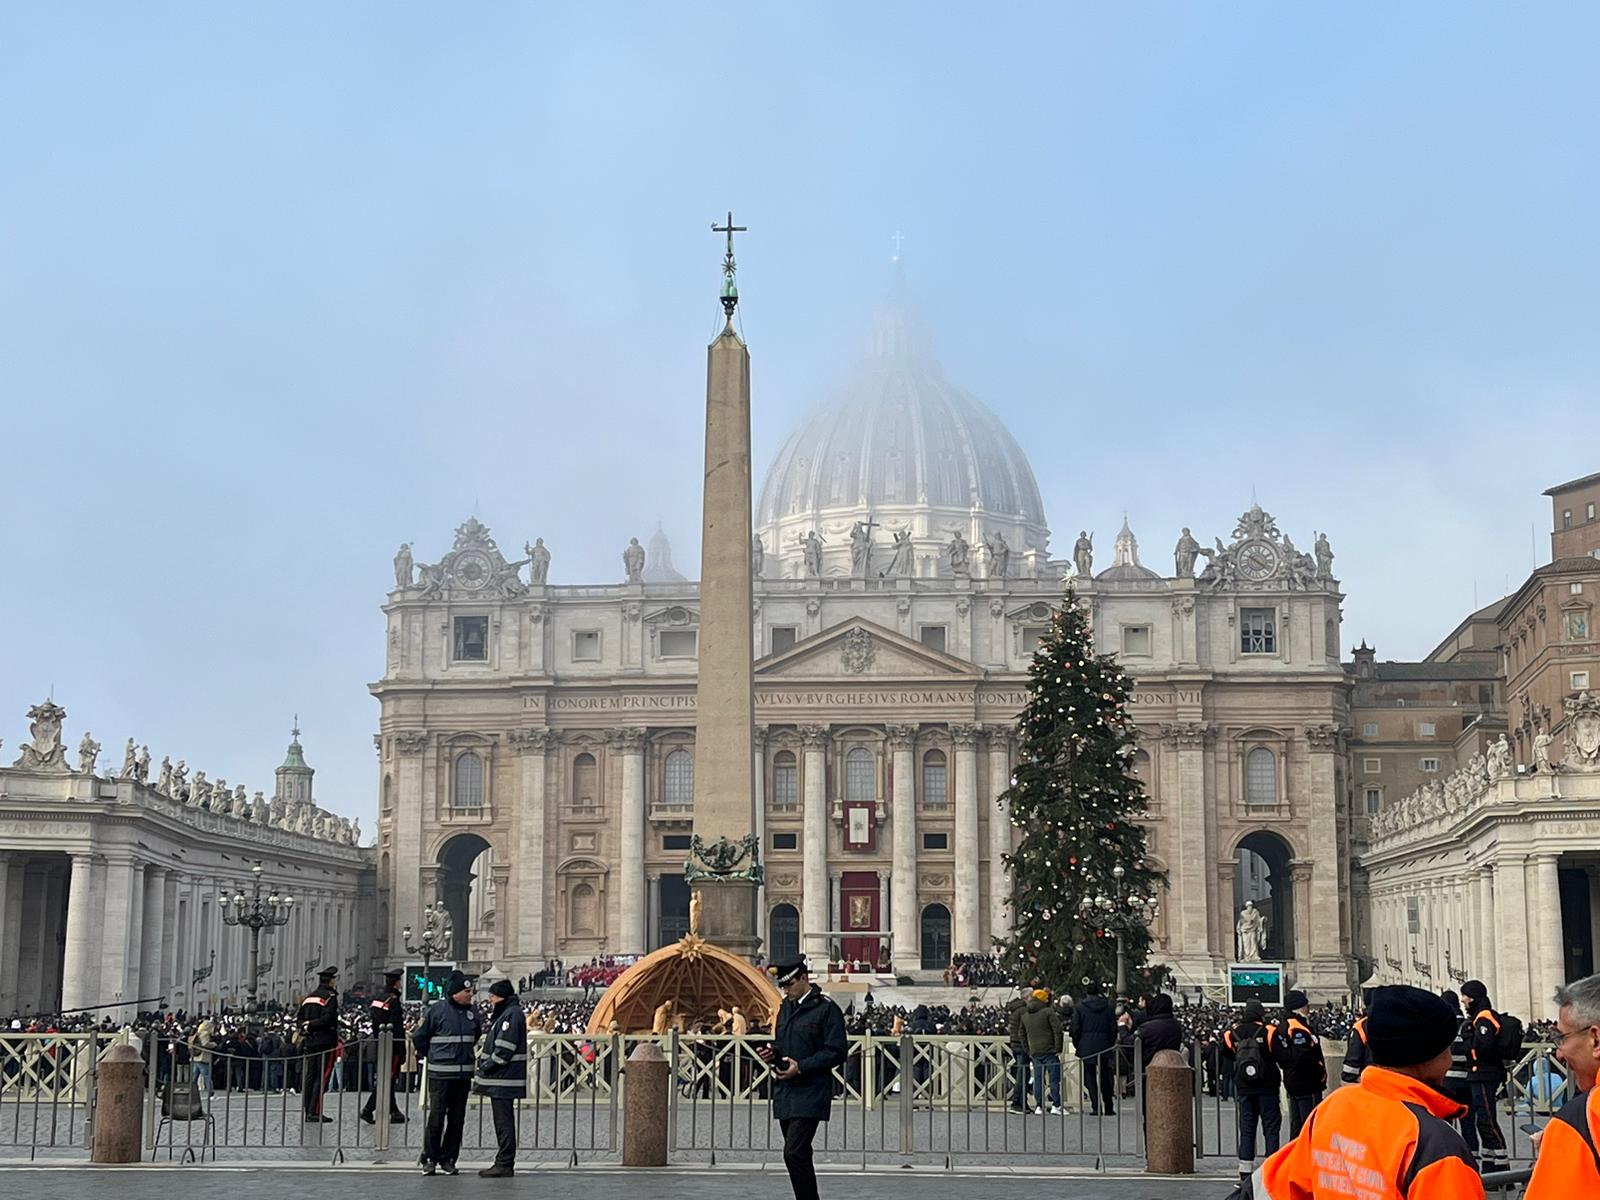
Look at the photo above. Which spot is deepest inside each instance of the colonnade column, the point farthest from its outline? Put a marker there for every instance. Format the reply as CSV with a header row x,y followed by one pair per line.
x,y
1550,967
407,892
8,938
82,951
1188,905
630,887
1324,741
814,834
903,849
758,752
1484,968
1514,974
532,826
170,975
999,830
966,938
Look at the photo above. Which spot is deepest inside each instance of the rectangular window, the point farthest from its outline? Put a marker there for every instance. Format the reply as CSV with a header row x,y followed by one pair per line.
x,y
472,639
586,645
1032,635
785,785
1580,680
932,636
1371,766
1258,631
1413,915
786,841
1374,800
678,643
1430,765
1575,589
783,637
1136,640
1588,511
675,841
1566,519
1427,729
936,841
1370,729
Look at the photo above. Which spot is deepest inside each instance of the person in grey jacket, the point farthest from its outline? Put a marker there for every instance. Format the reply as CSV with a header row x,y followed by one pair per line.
x,y
445,1038
503,1075
1041,1024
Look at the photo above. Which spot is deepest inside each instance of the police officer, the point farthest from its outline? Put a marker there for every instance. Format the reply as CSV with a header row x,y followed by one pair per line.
x,y
808,1041
318,1023
1486,1072
1390,1134
1569,1150
388,1012
503,1075
445,1037
1305,1071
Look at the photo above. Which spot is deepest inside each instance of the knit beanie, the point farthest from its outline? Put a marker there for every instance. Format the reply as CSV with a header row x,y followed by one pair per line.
x,y
1295,1001
1406,1026
1041,995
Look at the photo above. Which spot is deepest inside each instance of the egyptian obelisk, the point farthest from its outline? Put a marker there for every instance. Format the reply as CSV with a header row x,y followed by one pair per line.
x,y
724,777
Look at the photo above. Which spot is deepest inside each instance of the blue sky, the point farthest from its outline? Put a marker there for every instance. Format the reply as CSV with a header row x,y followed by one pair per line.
x,y
282,286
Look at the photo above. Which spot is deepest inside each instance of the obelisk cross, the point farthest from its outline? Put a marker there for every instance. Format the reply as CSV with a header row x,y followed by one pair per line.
x,y
730,289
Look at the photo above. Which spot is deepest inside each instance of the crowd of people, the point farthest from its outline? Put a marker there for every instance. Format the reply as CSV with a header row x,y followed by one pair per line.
x,y
976,971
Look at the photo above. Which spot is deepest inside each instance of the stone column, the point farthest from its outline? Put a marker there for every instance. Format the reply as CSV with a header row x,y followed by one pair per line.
x,y
1300,891
1323,806
999,830
1513,971
79,974
883,909
652,910
132,970
965,936
630,884
8,940
903,848
171,975
1484,968
1227,879
1550,961
532,841
1188,905
407,895
814,835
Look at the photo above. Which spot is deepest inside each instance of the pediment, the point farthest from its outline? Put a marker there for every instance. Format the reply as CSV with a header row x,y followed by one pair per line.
x,y
861,649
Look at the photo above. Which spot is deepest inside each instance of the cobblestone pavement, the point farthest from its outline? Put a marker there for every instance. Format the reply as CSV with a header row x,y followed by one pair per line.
x,y
553,1183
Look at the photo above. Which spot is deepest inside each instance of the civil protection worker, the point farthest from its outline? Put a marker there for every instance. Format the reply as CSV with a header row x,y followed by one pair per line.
x,y
1569,1150
1388,1137
503,1075
445,1037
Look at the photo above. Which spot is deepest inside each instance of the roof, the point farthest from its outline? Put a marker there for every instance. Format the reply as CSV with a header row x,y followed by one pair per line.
x,y
1582,563
1573,483
1396,672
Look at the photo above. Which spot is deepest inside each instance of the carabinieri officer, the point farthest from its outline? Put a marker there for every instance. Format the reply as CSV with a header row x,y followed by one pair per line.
x,y
808,1042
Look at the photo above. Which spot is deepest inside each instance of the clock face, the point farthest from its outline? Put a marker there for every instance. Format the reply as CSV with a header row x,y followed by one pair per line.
x,y
472,569
1258,560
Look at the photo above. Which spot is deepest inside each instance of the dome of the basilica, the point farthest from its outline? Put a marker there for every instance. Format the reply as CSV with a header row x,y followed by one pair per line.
x,y
900,440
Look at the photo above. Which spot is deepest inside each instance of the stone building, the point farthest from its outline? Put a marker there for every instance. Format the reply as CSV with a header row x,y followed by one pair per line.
x,y
903,578
109,882
1575,513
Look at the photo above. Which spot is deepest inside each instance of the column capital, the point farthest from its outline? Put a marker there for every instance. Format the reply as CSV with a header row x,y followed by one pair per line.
x,y
758,736
535,740
901,735
965,735
629,739
1000,736
411,741
814,735
1324,736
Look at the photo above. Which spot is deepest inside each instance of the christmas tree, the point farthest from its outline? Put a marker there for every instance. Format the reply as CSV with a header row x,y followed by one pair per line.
x,y
1079,876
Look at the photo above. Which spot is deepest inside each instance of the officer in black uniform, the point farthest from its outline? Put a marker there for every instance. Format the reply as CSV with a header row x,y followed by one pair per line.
x,y
318,1023
808,1042
388,1012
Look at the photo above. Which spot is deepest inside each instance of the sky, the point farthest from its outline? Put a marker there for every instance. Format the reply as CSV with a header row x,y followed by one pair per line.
x,y
282,286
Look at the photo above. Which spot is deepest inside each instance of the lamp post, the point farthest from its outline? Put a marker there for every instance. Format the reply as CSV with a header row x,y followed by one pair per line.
x,y
1121,912
435,935
255,913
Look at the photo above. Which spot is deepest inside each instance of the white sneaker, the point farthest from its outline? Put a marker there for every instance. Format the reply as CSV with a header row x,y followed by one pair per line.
x,y
1038,1112
1055,1110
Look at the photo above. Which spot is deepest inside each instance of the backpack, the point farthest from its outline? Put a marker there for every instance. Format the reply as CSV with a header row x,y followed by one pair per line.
x,y
1249,1058
1509,1040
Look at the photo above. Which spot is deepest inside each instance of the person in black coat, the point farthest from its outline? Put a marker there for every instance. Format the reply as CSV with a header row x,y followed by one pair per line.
x,y
1094,1039
1159,1030
388,1012
318,1022
808,1042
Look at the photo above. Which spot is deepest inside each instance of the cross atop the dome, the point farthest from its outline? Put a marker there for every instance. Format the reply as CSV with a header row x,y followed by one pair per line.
x,y
897,237
730,289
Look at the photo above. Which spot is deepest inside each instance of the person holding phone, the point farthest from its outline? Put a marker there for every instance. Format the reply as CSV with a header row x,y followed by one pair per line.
x,y
808,1042
1569,1149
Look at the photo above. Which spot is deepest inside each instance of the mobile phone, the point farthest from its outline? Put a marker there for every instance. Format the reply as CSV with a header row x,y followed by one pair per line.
x,y
1530,1128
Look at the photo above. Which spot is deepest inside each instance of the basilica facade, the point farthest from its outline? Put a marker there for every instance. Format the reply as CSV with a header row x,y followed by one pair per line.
x,y
536,741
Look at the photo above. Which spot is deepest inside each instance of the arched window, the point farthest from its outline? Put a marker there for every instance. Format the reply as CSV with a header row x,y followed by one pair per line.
x,y
468,792
388,793
678,786
1261,777
859,783
785,933
935,780
785,783
584,777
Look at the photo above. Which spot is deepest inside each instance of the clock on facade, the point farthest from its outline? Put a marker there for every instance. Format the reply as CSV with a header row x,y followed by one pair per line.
x,y
1258,560
473,568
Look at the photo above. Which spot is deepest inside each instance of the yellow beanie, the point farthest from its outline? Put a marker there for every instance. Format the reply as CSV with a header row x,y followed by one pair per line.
x,y
1041,995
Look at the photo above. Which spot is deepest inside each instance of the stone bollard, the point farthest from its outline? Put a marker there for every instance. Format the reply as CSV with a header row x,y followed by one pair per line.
x,y
118,1106
1169,1115
644,1108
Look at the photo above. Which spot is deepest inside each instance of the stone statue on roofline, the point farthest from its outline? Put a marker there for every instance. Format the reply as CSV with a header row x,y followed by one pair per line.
x,y
88,751
1184,555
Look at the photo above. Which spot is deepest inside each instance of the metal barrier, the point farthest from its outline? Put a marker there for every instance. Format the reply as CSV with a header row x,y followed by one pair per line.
x,y
47,1088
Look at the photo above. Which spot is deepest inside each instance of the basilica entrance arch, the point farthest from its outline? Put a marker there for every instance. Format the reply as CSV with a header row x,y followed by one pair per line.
x,y
784,934
1263,876
458,860
935,937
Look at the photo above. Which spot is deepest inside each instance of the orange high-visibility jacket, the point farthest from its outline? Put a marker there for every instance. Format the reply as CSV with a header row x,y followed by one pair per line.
x,y
1386,1138
1569,1153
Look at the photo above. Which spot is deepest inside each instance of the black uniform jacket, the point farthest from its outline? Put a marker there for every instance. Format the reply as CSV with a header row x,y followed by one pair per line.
x,y
810,1031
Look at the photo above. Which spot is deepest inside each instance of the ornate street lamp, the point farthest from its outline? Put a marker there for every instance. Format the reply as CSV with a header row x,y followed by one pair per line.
x,y
1122,912
435,936
255,913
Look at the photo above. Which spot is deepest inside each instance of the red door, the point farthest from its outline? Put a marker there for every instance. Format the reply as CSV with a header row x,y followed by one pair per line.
x,y
858,909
